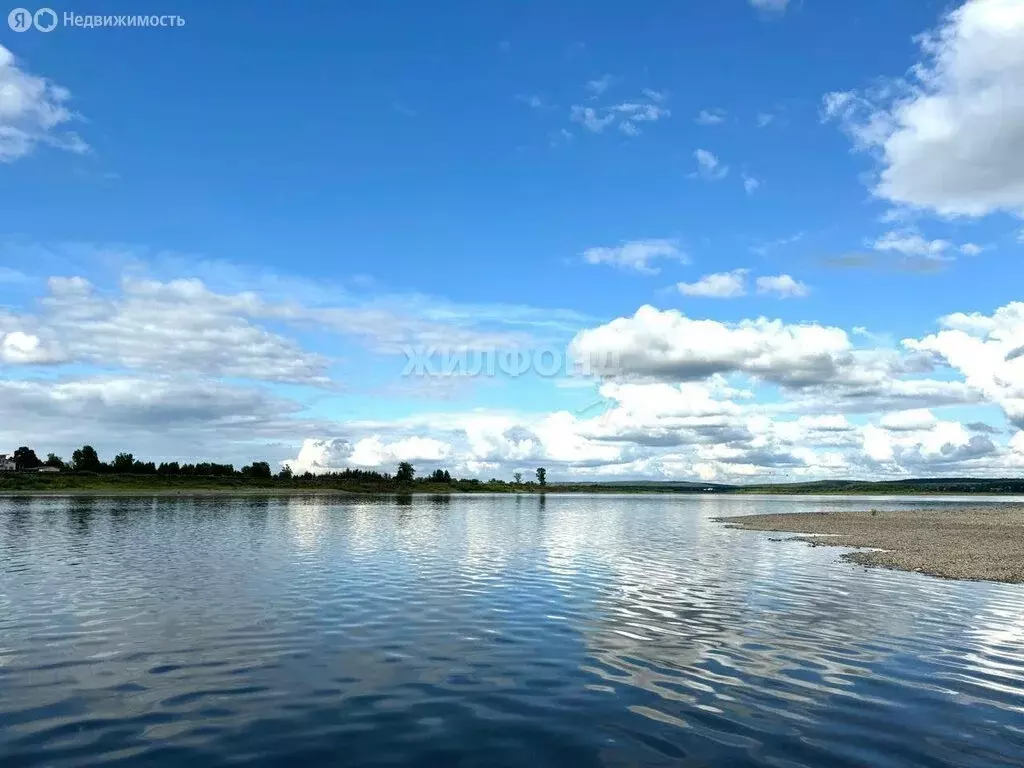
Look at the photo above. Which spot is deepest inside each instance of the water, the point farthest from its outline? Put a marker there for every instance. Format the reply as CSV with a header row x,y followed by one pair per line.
x,y
482,631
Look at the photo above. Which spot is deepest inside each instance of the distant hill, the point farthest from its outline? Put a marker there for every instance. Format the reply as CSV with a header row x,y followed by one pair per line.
x,y
954,485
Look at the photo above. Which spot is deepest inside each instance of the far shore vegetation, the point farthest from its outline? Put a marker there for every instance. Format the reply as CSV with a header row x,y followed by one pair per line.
x,y
87,472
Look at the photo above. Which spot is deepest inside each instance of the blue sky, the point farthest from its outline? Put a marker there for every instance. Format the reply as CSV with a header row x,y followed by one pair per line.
x,y
331,186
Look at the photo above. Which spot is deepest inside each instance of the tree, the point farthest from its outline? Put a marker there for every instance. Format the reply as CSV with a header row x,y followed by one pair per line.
x,y
542,476
53,460
517,478
437,476
85,459
124,462
285,473
447,477
25,458
405,472
260,469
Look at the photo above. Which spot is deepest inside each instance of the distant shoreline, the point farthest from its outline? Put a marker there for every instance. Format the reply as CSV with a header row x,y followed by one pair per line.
x,y
117,484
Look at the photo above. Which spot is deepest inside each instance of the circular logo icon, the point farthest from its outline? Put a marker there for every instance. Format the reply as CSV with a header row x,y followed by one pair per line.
x,y
20,19
45,20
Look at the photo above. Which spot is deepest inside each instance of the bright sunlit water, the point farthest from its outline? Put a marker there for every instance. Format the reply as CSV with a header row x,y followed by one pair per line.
x,y
484,631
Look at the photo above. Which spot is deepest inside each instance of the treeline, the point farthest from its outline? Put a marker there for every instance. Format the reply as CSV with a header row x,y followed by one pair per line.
x,y
87,461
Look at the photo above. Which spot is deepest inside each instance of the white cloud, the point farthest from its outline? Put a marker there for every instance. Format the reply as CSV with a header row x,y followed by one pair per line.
x,y
636,255
590,119
971,249
629,128
764,119
951,138
911,244
913,419
708,166
174,327
782,286
653,95
678,397
710,117
18,347
599,85
669,345
985,349
374,452
625,115
721,285
750,184
33,111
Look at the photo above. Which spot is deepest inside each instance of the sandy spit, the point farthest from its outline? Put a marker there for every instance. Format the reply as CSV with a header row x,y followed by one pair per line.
x,y
975,543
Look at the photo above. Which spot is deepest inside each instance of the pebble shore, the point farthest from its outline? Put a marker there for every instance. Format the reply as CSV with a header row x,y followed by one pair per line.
x,y
976,543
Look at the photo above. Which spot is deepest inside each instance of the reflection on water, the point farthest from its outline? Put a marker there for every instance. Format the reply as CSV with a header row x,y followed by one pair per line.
x,y
517,630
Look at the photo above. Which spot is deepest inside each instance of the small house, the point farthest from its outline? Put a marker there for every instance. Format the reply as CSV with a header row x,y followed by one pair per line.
x,y
7,463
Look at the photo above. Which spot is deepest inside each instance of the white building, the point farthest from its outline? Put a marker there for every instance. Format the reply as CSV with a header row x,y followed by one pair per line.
x,y
7,462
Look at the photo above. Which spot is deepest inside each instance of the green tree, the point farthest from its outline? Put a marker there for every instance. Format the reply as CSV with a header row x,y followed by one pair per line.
x,y
517,478
85,459
447,477
53,460
124,462
542,476
260,469
25,458
285,473
405,472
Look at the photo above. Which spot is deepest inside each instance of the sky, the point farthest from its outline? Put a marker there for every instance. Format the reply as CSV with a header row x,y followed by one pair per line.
x,y
740,241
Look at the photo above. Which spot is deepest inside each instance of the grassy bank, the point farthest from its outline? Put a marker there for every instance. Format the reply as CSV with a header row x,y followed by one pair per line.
x,y
23,483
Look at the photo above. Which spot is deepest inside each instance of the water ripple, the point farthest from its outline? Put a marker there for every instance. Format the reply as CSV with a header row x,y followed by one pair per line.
x,y
485,631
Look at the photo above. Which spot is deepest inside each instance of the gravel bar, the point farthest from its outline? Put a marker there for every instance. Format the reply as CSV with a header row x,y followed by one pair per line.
x,y
975,543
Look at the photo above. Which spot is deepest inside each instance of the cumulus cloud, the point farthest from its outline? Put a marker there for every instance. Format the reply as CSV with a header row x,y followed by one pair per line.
x,y
18,347
911,244
636,255
163,417
750,184
782,286
598,85
625,115
668,344
182,325
708,166
33,111
174,327
950,138
710,117
721,285
590,118
677,397
983,348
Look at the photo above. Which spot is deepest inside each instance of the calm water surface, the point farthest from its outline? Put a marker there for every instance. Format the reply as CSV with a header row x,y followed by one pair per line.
x,y
512,631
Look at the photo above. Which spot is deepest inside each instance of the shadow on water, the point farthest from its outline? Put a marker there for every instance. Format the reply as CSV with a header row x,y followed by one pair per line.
x,y
81,513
